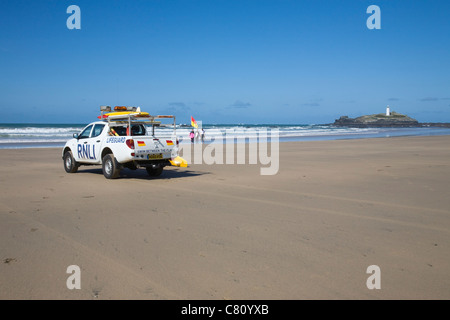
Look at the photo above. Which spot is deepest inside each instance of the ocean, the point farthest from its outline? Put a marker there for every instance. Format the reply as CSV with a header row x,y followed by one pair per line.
x,y
18,136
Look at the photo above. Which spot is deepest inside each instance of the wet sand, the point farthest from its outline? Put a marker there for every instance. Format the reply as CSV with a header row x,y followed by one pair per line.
x,y
226,232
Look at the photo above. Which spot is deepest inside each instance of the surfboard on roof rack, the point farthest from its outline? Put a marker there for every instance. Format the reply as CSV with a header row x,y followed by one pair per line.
x,y
121,111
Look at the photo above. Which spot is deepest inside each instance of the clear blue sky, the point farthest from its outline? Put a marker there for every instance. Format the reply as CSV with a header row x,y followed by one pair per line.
x,y
224,61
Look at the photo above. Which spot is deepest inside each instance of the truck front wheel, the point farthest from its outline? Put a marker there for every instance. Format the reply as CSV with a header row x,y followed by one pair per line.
x,y
111,168
70,165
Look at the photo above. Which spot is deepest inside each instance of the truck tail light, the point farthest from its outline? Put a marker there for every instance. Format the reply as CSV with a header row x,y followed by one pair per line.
x,y
130,143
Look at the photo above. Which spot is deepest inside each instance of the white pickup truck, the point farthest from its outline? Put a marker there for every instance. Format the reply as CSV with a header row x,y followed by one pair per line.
x,y
123,139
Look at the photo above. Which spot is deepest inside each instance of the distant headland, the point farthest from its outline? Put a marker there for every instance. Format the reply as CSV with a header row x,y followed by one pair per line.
x,y
384,120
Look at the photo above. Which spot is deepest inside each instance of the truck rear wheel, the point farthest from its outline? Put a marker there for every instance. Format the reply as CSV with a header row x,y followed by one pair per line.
x,y
111,168
154,172
70,165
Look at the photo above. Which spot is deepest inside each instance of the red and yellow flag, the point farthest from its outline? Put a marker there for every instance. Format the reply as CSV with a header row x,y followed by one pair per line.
x,y
193,122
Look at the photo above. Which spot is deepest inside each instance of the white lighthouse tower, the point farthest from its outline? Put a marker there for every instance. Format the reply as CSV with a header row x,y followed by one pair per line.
x,y
388,111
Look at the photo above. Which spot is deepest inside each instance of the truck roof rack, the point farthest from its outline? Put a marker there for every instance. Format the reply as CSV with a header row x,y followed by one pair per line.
x,y
136,117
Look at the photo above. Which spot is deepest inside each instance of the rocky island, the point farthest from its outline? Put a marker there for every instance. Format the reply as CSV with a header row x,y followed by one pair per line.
x,y
394,119
384,120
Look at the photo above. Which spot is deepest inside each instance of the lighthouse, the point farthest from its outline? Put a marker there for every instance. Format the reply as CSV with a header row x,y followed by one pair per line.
x,y
388,111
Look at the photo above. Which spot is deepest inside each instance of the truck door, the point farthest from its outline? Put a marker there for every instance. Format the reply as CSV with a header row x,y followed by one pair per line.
x,y
89,143
96,141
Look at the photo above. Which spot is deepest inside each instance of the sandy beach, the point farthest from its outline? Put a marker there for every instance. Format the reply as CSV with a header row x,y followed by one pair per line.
x,y
226,232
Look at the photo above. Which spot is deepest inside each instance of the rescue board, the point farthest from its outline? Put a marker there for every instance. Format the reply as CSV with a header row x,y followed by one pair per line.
x,y
124,113
179,162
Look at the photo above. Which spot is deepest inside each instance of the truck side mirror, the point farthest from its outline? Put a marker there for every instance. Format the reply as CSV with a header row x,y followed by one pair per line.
x,y
75,135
